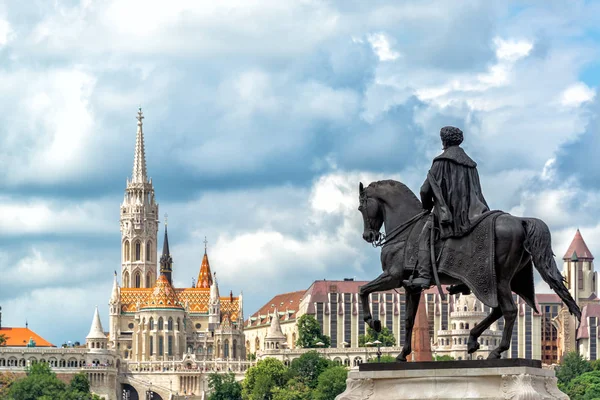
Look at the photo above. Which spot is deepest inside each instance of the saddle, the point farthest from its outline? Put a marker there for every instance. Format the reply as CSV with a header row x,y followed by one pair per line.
x,y
469,258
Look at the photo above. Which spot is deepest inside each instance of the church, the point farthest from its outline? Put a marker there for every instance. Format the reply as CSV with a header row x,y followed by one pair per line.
x,y
149,319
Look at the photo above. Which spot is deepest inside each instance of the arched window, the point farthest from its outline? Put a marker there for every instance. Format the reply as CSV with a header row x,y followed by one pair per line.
x,y
226,348
160,324
459,340
151,323
126,251
149,280
453,326
467,325
170,345
178,326
151,346
234,349
148,251
161,344
126,279
138,280
462,326
170,324
257,344
138,251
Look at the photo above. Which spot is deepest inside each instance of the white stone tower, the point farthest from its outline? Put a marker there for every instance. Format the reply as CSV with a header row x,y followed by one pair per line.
x,y
214,304
96,340
275,338
139,222
114,310
578,270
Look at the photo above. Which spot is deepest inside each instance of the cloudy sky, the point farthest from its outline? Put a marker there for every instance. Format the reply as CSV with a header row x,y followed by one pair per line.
x,y
261,119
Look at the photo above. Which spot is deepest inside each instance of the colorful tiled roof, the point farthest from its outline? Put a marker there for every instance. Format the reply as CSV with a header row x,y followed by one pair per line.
x,y
19,337
579,247
204,276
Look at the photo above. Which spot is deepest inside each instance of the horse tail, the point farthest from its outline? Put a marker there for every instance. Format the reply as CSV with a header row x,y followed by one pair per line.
x,y
538,245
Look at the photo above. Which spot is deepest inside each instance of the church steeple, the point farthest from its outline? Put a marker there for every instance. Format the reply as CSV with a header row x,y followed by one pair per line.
x,y
139,222
166,261
139,159
205,280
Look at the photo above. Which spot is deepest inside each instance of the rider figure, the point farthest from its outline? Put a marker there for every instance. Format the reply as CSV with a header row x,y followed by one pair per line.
x,y
453,191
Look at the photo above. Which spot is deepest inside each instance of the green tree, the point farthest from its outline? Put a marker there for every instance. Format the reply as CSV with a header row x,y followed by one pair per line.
x,y
6,380
331,383
384,359
308,367
224,387
3,339
80,383
293,390
385,337
572,366
584,387
309,333
262,378
443,358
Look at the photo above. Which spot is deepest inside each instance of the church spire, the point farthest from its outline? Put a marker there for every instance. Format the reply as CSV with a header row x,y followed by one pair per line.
x,y
139,160
166,261
96,331
578,246
205,276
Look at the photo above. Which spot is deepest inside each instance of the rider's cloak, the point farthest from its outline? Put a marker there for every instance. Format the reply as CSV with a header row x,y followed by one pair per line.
x,y
452,185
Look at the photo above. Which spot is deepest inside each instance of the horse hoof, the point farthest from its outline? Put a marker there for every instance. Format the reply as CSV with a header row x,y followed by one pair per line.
x,y
493,356
401,358
473,347
376,325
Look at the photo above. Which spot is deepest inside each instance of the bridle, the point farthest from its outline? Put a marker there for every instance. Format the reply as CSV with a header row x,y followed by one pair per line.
x,y
383,238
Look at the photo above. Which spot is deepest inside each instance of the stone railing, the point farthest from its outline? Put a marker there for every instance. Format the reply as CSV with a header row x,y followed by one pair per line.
x,y
187,366
42,350
335,351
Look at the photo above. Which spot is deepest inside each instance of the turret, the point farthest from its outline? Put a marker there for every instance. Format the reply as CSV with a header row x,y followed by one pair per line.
x,y
275,338
96,339
214,303
578,269
166,261
114,310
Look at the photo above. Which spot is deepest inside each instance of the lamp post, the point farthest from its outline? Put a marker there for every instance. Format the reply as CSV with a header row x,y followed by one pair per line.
x,y
125,394
378,343
149,393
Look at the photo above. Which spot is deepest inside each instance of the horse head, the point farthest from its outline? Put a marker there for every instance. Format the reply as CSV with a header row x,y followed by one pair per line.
x,y
385,202
372,213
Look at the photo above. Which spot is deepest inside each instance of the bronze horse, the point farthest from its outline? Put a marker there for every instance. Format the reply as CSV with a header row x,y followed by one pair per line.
x,y
519,243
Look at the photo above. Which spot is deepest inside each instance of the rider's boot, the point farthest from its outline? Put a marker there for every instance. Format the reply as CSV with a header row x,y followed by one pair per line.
x,y
423,280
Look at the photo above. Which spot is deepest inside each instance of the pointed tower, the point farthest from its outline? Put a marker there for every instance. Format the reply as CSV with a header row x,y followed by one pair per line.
x,y
114,311
166,261
214,304
139,222
204,276
275,338
96,339
578,270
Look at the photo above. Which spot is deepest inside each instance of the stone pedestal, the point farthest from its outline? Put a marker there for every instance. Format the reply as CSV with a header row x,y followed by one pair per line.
x,y
517,379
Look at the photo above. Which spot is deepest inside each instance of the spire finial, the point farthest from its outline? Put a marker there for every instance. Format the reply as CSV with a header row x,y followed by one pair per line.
x,y
205,243
140,116
166,219
139,159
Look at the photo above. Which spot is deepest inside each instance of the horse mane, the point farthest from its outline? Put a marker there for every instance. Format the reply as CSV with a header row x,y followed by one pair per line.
x,y
398,186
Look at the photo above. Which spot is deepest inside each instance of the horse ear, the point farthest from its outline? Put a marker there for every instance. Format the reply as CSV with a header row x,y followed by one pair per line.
x,y
360,187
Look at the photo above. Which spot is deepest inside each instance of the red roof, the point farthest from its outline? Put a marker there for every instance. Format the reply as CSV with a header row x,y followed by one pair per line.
x,y
590,310
286,304
545,298
19,337
579,247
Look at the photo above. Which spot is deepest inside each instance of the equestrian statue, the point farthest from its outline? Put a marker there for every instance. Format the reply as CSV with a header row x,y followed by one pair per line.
x,y
454,236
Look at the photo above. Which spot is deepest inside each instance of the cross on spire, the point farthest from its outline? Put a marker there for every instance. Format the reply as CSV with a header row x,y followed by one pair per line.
x,y
140,116
205,243
166,218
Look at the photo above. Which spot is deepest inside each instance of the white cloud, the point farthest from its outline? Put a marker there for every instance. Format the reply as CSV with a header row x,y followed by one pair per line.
x,y
512,50
6,32
382,47
577,94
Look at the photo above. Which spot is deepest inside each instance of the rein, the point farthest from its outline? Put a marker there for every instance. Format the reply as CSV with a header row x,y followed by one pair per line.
x,y
385,239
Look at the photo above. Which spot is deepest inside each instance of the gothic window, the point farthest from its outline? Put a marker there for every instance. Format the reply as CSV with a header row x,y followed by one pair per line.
x,y
138,280
170,324
170,345
160,324
151,323
138,251
126,279
161,345
151,346
226,349
126,251
148,251
178,324
467,325
234,349
149,280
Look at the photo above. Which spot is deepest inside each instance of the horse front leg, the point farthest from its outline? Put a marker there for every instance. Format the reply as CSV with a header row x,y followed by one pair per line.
x,y
473,344
412,305
385,281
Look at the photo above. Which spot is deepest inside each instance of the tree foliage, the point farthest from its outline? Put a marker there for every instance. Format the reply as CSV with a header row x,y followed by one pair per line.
x,y
443,358
386,337
224,387
308,367
293,390
3,339
6,380
383,359
331,383
309,333
584,387
263,378
41,384
571,366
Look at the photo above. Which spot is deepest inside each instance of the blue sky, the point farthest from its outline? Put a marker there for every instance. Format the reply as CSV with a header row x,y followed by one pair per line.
x,y
261,119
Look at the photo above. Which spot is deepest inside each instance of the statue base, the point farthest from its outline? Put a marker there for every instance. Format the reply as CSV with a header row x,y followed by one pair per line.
x,y
515,378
